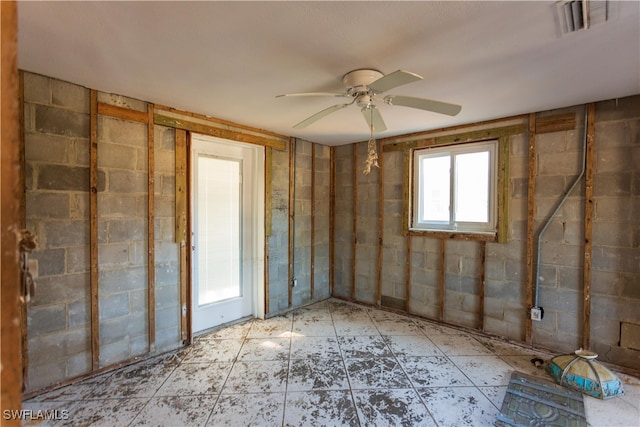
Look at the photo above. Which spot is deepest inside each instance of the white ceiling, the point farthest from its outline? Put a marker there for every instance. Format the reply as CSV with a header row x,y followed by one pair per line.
x,y
230,59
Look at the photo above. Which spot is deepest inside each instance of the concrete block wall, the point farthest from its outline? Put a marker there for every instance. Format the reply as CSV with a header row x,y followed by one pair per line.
x,y
57,201
394,248
123,239
57,210
167,252
302,224
278,240
322,209
343,244
616,242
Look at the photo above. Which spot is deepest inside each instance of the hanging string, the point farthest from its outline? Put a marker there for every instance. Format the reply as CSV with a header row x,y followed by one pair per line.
x,y
372,151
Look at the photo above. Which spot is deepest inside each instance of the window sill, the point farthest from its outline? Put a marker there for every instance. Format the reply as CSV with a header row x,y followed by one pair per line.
x,y
455,235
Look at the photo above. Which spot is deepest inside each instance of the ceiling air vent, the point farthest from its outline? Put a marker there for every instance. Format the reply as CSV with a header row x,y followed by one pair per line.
x,y
575,15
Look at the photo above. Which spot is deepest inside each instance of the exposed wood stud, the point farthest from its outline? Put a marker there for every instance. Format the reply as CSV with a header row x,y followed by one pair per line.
x,y
332,212
454,236
428,134
380,226
10,170
221,122
181,226
354,248
183,291
407,283
22,217
313,220
123,113
406,190
181,186
531,204
483,250
292,210
268,191
93,233
588,224
188,287
443,273
553,123
503,190
218,132
151,239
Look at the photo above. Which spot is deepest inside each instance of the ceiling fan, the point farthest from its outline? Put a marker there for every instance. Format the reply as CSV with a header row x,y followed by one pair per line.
x,y
365,88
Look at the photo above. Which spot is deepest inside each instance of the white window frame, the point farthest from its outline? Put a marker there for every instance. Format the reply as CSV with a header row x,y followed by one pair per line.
x,y
453,226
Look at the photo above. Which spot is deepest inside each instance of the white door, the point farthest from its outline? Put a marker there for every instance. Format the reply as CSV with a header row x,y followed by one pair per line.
x,y
227,231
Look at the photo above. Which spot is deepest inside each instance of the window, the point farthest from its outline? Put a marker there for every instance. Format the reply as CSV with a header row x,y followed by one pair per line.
x,y
455,188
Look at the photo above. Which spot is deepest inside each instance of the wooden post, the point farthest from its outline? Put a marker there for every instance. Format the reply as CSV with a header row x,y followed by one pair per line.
x,y
292,210
443,267
181,226
406,190
93,234
151,239
22,216
10,170
354,251
380,225
268,190
483,250
531,205
313,219
588,224
332,215
407,283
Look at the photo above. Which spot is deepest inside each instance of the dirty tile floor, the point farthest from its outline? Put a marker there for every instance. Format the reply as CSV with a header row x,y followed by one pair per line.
x,y
329,364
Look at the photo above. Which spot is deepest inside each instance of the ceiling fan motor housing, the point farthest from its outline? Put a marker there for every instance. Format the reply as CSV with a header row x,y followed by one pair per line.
x,y
357,81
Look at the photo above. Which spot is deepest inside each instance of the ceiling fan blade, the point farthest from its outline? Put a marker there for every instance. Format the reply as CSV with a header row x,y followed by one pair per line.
x,y
423,104
395,79
315,94
372,115
320,114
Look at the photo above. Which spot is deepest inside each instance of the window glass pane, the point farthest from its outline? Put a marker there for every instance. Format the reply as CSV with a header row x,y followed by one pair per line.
x,y
472,187
436,188
219,212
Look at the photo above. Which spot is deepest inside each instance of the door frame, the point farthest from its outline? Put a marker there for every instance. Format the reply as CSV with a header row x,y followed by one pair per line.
x,y
258,221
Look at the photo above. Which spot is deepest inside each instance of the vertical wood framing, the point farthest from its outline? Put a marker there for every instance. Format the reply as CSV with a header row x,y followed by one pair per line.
x,y
151,258
332,214
483,251
268,190
10,170
531,204
181,186
354,251
93,234
406,189
292,176
588,224
181,226
407,283
22,217
443,265
313,219
380,225
188,288
503,189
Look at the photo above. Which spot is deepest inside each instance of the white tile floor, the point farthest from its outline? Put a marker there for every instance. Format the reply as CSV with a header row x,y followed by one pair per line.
x,y
329,364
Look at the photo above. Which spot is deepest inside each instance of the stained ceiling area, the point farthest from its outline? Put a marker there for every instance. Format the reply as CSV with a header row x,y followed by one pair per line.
x,y
231,59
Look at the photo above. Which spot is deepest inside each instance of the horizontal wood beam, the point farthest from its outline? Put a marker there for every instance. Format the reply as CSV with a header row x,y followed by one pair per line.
x,y
122,113
447,235
210,130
